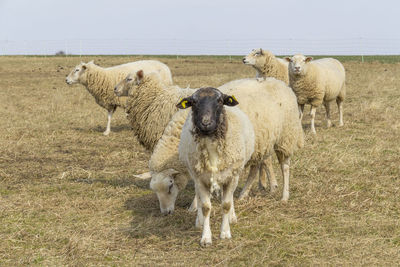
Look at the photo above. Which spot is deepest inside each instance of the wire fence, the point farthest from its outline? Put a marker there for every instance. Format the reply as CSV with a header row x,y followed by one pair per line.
x,y
352,46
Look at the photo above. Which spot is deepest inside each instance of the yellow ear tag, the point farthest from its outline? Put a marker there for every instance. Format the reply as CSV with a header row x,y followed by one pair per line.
x,y
234,98
183,103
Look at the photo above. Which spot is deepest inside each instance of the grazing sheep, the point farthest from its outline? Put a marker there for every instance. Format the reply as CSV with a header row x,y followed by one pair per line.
x,y
267,65
317,82
100,81
271,107
216,143
150,105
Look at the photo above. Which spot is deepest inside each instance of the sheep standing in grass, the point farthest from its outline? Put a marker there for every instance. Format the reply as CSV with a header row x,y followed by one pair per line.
x,y
150,105
216,143
267,65
100,82
317,82
271,107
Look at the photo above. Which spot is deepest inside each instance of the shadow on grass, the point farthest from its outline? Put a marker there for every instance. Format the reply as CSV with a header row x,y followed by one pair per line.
x,y
101,129
148,221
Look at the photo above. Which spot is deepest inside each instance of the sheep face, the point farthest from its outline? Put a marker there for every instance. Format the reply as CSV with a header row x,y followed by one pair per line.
x,y
122,88
163,184
298,64
256,57
76,73
208,110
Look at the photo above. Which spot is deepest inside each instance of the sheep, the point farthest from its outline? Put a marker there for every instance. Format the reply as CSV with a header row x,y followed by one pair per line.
x,y
317,82
100,81
150,105
215,145
267,65
272,108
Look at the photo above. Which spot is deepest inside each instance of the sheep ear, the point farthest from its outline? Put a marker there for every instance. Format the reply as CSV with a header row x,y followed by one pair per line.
x,y
261,51
171,172
287,59
308,59
230,100
184,103
139,76
84,67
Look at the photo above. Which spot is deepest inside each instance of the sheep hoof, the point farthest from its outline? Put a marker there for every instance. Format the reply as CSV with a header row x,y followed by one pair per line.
x,y
199,223
329,124
226,235
341,124
192,208
274,188
243,196
205,242
232,218
106,133
284,199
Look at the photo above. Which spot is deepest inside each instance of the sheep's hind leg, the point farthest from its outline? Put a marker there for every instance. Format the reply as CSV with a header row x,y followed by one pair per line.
x,y
109,116
339,103
285,167
193,206
267,170
250,179
328,114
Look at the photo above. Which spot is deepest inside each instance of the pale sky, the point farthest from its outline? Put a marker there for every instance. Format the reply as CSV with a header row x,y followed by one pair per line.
x,y
172,26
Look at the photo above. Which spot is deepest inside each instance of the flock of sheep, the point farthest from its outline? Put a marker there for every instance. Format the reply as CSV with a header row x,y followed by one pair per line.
x,y
204,134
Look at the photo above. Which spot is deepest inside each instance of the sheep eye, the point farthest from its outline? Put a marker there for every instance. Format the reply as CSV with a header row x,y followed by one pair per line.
x,y
128,79
76,70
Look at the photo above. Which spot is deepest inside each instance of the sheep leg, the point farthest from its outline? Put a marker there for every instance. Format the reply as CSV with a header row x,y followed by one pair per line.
x,y
204,194
227,207
312,113
301,111
284,161
200,217
250,179
109,116
339,103
328,114
267,170
193,206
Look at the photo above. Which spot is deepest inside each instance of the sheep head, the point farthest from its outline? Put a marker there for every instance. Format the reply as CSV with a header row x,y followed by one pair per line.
x,y
208,112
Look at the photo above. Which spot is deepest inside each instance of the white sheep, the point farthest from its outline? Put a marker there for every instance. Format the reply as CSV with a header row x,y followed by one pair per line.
x,y
317,82
267,65
100,82
216,143
150,104
272,108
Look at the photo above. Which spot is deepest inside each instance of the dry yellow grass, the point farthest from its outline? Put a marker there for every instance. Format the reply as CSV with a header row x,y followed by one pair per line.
x,y
67,195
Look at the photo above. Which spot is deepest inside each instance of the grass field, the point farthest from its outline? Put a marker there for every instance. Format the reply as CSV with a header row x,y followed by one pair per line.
x,y
68,196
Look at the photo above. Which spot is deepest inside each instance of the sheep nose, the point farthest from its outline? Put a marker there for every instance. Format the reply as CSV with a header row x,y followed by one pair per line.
x,y
244,60
206,121
115,89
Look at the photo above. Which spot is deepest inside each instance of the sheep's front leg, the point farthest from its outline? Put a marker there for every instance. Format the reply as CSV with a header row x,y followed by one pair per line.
x,y
200,217
312,113
204,195
228,207
250,179
285,166
328,114
109,116
301,111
